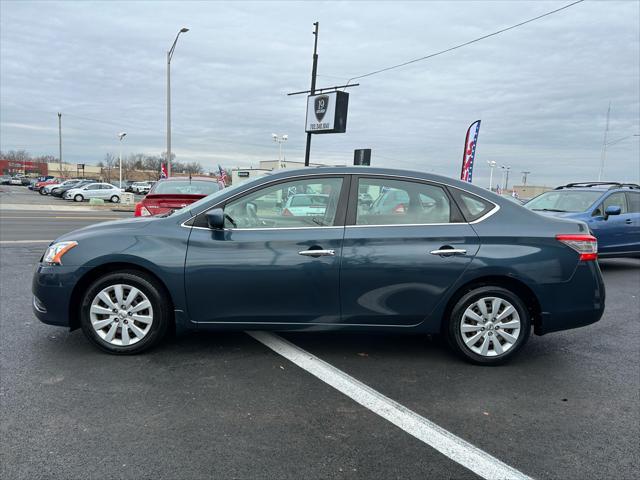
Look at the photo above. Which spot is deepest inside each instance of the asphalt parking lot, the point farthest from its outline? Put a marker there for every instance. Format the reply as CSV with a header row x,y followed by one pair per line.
x,y
224,405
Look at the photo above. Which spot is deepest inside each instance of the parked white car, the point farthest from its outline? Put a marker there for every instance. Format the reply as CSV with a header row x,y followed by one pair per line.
x,y
306,205
106,191
141,187
15,180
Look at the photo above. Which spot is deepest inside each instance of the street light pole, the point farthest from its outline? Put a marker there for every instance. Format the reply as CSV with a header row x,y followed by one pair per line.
x,y
121,137
492,165
60,141
169,56
524,177
279,139
505,171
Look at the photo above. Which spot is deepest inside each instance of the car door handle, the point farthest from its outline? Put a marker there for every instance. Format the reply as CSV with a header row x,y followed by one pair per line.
x,y
448,251
628,221
317,253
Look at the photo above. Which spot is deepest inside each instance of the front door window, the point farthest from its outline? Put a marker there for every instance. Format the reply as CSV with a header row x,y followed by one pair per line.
x,y
295,204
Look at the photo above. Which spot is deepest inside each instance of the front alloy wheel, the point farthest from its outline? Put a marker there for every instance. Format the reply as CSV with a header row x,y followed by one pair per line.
x,y
125,312
121,315
488,325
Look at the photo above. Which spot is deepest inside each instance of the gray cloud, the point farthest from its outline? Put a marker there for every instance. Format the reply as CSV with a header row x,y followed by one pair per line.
x,y
541,90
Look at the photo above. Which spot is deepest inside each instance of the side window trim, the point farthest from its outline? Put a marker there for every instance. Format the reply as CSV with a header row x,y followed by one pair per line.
x,y
455,217
199,220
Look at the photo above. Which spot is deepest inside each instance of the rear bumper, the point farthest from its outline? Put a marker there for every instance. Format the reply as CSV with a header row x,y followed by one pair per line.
x,y
52,287
578,302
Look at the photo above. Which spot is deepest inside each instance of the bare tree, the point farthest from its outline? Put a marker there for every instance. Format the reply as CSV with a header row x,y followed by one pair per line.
x,y
193,168
109,163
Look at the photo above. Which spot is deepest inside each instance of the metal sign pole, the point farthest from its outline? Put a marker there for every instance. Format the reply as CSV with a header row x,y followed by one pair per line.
x,y
314,70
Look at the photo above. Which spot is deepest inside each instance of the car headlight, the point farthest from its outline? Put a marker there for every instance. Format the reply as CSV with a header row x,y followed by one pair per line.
x,y
55,252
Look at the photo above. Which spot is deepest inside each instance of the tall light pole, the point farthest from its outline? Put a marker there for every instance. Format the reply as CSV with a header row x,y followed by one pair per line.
x,y
524,177
492,164
505,170
60,140
603,153
169,56
121,136
279,139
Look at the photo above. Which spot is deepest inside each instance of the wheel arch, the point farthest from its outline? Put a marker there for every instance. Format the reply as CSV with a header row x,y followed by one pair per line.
x,y
98,271
515,285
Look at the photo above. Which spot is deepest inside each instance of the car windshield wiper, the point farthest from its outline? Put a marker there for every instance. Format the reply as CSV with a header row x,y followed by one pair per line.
x,y
548,210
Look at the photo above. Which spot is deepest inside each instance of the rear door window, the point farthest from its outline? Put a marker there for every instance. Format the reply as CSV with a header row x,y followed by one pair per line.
x,y
392,202
633,202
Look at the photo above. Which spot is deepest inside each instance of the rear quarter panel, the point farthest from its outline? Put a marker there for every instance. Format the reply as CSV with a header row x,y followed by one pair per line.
x,y
519,244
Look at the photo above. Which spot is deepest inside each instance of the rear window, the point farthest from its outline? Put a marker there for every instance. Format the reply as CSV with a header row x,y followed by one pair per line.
x,y
186,187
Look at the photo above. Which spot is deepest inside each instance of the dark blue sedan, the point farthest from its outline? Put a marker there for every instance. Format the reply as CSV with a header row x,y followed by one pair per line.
x,y
388,251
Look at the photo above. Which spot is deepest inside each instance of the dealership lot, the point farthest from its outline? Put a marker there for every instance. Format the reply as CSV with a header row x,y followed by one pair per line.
x,y
224,405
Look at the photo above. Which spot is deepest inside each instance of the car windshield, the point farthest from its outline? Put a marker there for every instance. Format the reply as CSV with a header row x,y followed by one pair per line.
x,y
186,187
309,200
564,201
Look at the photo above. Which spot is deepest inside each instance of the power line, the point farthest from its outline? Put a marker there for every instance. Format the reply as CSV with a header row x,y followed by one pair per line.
x,y
403,64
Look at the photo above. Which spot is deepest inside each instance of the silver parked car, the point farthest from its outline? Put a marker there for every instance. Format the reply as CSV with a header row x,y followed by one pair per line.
x,y
105,191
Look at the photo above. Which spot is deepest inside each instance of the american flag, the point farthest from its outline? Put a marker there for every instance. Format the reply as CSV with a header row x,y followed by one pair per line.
x,y
163,171
222,175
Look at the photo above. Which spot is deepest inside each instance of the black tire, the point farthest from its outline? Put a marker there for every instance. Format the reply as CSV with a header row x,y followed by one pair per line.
x,y
78,198
42,192
454,335
115,199
150,288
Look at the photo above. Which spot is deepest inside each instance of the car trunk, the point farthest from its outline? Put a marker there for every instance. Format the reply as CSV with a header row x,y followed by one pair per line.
x,y
160,203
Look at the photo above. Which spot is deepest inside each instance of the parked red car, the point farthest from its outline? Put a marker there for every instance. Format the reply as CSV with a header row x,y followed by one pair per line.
x,y
39,185
174,193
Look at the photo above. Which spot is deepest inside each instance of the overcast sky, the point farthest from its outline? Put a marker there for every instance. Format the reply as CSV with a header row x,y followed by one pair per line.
x,y
541,90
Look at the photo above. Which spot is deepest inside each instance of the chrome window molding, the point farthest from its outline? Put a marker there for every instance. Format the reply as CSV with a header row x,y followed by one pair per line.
x,y
495,208
263,228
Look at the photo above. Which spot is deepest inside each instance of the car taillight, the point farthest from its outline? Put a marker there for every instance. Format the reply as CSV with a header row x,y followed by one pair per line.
x,y
141,211
287,213
585,245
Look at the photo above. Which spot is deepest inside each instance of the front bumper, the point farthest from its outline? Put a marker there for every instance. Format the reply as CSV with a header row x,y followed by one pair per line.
x,y
578,302
52,287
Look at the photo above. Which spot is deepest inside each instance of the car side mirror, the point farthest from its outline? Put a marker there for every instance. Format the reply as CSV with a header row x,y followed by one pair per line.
x,y
215,218
612,210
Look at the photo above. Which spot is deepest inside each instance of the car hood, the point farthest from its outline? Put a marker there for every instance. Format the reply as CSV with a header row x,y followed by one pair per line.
x,y
124,225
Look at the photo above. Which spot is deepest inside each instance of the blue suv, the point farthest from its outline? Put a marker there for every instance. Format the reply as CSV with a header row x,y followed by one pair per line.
x,y
610,209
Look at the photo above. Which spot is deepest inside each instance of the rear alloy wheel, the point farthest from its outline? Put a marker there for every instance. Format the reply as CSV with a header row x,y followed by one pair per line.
x,y
124,313
42,192
488,325
115,199
78,198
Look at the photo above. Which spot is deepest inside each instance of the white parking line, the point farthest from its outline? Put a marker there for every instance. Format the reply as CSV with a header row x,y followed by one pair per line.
x,y
457,449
